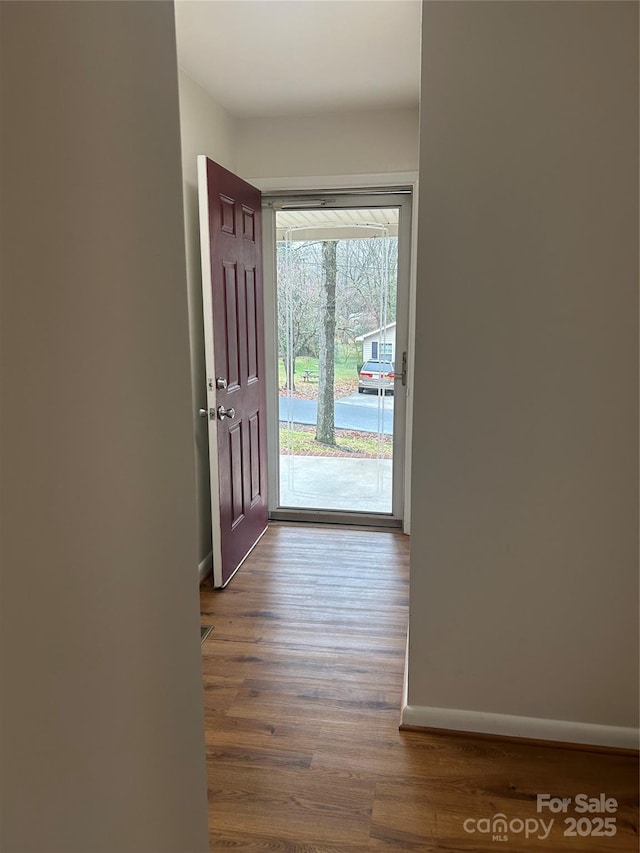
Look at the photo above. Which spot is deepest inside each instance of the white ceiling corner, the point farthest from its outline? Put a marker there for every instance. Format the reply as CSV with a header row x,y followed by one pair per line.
x,y
286,57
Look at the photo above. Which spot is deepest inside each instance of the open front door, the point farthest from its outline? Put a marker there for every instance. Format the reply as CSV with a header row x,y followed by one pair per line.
x,y
231,246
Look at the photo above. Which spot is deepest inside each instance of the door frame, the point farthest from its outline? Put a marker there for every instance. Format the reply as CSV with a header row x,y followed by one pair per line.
x,y
207,310
323,185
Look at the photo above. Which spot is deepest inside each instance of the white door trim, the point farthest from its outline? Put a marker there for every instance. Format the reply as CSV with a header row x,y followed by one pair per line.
x,y
411,348
270,353
335,182
203,205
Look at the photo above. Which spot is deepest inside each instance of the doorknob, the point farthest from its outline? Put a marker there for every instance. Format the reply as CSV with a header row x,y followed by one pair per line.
x,y
203,413
226,413
221,383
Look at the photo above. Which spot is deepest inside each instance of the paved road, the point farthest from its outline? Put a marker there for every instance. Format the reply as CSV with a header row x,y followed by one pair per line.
x,y
363,412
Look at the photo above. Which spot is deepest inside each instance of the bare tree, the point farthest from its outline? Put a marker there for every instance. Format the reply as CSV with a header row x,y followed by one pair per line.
x,y
367,273
298,304
325,426
363,293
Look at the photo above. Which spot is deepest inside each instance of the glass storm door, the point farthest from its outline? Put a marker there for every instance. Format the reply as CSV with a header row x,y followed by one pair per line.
x,y
341,282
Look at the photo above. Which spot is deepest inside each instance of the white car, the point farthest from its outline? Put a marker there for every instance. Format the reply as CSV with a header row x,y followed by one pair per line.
x,y
376,376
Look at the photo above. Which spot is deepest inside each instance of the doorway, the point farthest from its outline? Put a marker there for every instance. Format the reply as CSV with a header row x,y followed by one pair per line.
x,y
339,270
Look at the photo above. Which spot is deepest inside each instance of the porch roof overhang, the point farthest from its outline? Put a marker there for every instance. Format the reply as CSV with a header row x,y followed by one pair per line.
x,y
337,224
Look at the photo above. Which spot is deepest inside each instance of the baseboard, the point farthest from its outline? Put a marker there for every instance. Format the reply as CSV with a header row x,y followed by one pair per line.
x,y
205,567
523,728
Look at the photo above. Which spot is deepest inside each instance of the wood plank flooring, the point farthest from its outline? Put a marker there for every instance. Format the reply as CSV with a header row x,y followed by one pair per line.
x,y
303,678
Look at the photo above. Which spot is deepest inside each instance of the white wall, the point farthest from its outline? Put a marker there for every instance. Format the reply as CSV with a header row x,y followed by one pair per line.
x,y
524,593
389,341
206,128
358,143
102,724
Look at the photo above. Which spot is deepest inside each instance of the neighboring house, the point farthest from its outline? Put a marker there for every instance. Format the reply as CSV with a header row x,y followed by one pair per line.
x,y
380,344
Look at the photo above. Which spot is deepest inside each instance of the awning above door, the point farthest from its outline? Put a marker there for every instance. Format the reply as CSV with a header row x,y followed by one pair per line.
x,y
339,224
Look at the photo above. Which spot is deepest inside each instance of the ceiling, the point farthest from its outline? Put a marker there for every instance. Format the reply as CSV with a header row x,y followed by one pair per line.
x,y
287,57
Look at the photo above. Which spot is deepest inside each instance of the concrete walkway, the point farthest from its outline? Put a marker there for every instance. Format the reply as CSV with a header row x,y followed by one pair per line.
x,y
321,482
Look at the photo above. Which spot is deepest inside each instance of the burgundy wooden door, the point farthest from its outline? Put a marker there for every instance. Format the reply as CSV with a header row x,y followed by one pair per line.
x,y
231,238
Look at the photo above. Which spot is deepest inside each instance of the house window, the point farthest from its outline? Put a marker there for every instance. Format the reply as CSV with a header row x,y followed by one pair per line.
x,y
386,351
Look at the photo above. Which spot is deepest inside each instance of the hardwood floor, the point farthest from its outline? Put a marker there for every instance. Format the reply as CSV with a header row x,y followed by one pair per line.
x,y
303,678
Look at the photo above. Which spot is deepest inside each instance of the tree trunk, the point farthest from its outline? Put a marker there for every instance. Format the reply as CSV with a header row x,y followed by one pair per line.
x,y
290,372
325,428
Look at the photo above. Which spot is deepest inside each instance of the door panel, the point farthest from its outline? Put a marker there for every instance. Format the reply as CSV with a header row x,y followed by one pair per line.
x,y
230,211
254,456
252,324
229,349
235,454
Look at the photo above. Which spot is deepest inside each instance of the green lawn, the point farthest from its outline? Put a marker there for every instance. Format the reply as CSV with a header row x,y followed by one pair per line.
x,y
346,369
300,441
